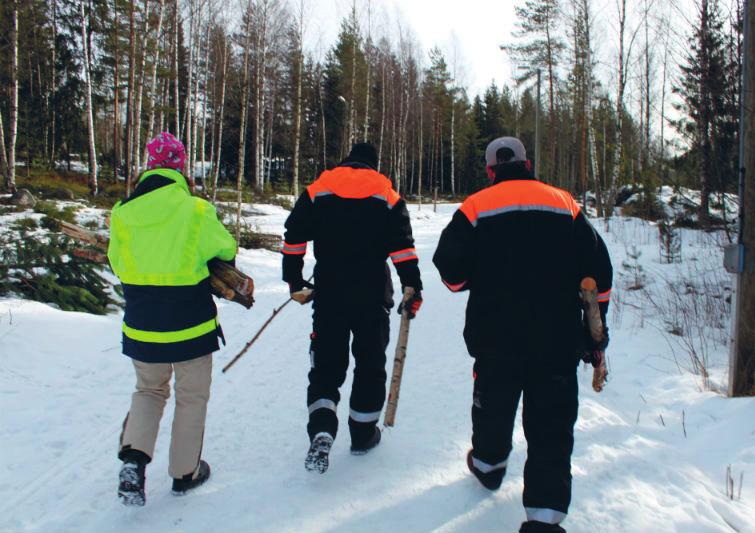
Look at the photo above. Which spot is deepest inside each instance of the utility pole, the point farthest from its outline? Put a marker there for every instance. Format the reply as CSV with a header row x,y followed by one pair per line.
x,y
740,257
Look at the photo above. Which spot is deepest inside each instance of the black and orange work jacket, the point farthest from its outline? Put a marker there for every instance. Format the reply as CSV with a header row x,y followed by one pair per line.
x,y
521,248
356,221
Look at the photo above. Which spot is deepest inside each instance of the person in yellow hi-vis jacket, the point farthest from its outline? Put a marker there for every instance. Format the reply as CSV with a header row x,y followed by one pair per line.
x,y
161,238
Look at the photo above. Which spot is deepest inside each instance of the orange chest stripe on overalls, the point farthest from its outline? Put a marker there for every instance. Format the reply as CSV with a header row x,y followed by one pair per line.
x,y
354,183
518,196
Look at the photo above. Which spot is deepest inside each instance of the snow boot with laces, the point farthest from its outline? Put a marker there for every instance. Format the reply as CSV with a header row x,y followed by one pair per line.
x,y
317,456
132,479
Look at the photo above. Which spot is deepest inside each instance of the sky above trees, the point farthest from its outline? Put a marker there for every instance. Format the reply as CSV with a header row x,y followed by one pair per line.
x,y
478,27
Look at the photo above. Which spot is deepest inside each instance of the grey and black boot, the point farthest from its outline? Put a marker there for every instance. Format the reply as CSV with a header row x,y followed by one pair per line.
x,y
188,482
132,479
490,480
317,456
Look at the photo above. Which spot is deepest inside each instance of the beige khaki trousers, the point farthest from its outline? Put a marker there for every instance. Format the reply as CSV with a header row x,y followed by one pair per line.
x,y
192,389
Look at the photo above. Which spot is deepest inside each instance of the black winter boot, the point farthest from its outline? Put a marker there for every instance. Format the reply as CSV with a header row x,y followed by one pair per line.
x,y
362,448
132,478
317,456
540,527
491,480
188,482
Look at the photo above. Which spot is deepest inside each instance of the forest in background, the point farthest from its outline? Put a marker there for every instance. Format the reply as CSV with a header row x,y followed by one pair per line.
x,y
90,81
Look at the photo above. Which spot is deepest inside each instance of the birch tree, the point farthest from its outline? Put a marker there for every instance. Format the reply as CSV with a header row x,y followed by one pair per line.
x,y
88,94
247,42
297,104
623,64
10,178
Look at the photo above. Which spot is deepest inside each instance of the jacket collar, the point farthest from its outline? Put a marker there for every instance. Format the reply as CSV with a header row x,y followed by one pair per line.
x,y
169,173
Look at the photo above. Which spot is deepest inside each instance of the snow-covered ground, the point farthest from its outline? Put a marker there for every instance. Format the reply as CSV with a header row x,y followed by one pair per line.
x,y
65,388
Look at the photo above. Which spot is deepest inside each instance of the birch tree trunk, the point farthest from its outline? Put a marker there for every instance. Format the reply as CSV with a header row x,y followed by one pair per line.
x,y
54,82
219,135
242,127
297,103
369,73
453,142
10,178
137,129
153,85
176,93
189,102
618,150
206,67
3,155
591,148
383,90
420,148
322,120
116,99
88,92
352,95
130,96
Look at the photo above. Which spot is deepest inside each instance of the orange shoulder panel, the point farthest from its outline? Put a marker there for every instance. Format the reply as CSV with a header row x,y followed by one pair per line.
x,y
519,195
354,183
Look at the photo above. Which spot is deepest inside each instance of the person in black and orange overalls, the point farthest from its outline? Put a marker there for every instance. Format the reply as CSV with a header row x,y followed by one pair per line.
x,y
521,247
356,221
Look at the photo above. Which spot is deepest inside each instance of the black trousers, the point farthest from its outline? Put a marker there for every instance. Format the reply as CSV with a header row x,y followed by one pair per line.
x,y
548,416
329,354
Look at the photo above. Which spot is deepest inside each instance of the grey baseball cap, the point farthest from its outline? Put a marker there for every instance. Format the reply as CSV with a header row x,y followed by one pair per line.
x,y
514,145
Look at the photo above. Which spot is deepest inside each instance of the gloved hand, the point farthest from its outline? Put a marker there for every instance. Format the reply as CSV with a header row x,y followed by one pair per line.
x,y
302,292
412,301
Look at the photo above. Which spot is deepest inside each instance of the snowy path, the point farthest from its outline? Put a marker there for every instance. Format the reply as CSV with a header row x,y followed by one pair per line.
x,y
64,389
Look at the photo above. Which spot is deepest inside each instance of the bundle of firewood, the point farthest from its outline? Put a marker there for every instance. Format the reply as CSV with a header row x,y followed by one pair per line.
x,y
227,281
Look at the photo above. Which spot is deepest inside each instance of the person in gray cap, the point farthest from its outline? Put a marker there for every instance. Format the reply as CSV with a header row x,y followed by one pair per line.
x,y
521,247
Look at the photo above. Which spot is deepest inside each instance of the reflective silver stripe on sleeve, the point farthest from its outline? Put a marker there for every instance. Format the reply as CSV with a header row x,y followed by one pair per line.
x,y
322,403
549,516
524,207
485,468
395,258
298,248
364,417
323,193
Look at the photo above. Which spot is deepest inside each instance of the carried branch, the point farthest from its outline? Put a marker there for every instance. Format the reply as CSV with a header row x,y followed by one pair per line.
x,y
228,281
589,293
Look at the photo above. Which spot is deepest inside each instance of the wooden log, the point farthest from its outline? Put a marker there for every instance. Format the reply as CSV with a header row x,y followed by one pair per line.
x,y
589,293
90,255
227,280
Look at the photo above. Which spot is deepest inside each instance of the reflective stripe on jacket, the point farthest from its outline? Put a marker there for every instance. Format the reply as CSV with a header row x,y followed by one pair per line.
x,y
521,248
357,221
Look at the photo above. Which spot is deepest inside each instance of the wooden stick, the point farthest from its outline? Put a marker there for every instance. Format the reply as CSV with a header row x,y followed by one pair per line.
x,y
589,293
259,332
398,370
256,336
